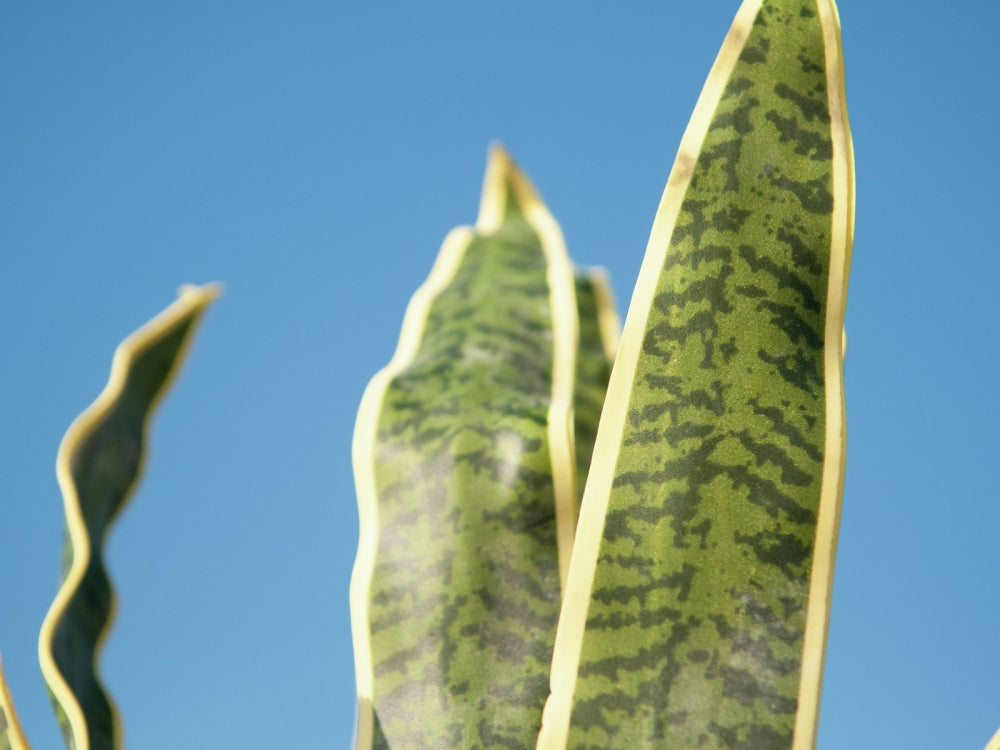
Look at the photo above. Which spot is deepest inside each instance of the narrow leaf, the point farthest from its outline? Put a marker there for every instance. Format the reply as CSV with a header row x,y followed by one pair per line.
x,y
463,460
994,743
98,465
11,734
600,330
697,603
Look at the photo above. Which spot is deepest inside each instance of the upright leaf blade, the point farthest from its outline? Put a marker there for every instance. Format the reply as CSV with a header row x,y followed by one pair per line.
x,y
697,604
11,734
463,458
464,466
600,330
98,465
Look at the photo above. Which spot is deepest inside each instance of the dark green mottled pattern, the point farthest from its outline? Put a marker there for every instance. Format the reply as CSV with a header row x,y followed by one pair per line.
x,y
695,629
104,466
465,593
593,370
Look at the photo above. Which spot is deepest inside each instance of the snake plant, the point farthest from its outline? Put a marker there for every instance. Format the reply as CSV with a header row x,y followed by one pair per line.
x,y
573,535
684,603
98,465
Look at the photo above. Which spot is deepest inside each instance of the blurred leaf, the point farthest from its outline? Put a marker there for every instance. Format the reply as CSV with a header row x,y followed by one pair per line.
x,y
600,329
697,604
11,735
464,464
98,465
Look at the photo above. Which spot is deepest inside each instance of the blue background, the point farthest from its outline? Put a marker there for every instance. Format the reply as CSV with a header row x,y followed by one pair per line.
x,y
312,157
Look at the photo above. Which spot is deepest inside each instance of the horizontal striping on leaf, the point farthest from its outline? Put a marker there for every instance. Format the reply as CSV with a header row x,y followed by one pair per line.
x,y
458,597
695,552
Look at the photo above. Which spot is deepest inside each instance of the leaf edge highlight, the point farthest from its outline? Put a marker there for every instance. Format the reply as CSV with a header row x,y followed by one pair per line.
x,y
831,491
501,173
572,619
15,733
192,301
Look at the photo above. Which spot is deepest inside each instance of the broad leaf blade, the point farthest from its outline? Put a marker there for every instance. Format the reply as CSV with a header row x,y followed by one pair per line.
x,y
99,463
697,603
463,458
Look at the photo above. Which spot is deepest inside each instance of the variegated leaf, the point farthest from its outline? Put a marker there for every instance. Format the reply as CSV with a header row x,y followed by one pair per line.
x,y
98,465
465,472
697,603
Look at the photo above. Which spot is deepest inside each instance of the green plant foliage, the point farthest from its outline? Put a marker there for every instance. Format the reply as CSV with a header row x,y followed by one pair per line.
x,y
599,334
99,463
11,735
696,605
713,500
464,457
567,540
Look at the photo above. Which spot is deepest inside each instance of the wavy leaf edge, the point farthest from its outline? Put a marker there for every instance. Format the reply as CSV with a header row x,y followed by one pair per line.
x,y
191,302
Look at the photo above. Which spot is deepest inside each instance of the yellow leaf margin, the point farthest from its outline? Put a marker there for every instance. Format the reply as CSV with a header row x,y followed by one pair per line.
x,y
191,303
572,620
502,174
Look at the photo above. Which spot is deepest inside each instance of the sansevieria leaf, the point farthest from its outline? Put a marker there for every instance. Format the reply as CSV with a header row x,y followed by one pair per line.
x,y
466,480
600,329
697,604
98,465
11,734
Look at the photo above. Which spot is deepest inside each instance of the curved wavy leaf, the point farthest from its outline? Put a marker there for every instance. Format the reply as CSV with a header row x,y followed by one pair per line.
x,y
98,465
697,603
463,459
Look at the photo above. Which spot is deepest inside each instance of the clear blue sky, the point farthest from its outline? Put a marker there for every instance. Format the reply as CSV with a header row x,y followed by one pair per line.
x,y
312,156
